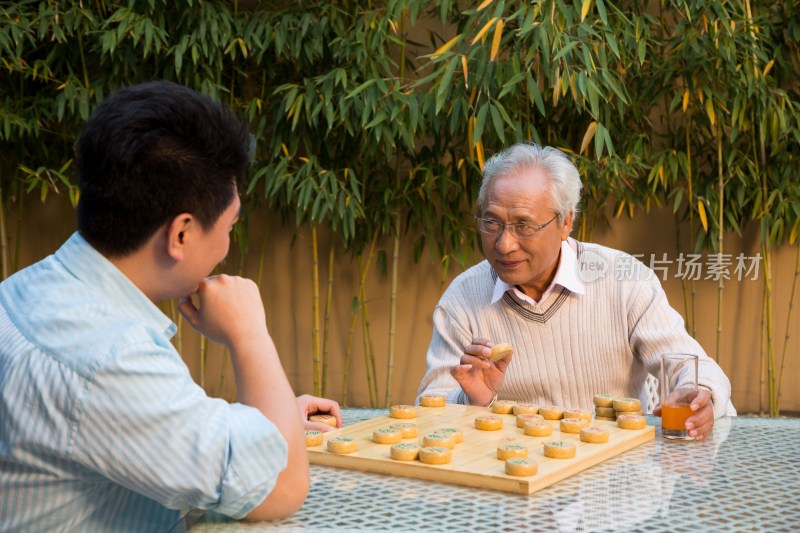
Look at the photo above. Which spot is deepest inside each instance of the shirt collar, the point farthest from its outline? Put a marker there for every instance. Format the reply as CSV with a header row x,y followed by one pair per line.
x,y
566,276
95,270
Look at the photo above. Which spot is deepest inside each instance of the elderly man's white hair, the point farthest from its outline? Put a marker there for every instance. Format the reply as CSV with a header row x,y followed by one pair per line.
x,y
565,180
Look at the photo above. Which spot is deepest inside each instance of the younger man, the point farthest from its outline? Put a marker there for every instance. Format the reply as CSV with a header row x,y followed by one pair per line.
x,y
101,425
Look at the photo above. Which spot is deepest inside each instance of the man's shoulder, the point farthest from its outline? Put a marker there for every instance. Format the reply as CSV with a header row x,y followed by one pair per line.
x,y
473,285
477,275
585,250
68,320
607,268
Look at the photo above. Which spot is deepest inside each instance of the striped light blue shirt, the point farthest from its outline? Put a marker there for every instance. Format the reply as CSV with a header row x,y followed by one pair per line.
x,y
101,426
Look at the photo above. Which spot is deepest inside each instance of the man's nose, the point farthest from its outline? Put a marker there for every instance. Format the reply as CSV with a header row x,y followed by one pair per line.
x,y
506,241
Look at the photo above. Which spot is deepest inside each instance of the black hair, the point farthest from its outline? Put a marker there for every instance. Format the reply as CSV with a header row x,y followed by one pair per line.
x,y
151,152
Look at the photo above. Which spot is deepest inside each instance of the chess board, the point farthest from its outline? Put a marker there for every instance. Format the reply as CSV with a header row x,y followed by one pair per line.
x,y
475,462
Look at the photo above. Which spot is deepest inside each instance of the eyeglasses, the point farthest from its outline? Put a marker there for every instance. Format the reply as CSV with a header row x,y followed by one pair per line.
x,y
519,231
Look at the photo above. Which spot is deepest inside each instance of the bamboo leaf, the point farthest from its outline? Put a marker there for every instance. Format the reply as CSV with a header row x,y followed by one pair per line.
x,y
470,134
498,35
483,30
620,208
601,10
511,84
535,95
505,115
557,87
480,122
358,90
768,67
465,69
567,49
297,111
793,233
677,200
610,37
498,124
587,137
701,210
380,117
602,139
445,84
479,153
446,46
685,100
585,9
710,111
484,4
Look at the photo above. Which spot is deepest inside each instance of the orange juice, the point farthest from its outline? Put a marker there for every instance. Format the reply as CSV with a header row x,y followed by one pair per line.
x,y
674,416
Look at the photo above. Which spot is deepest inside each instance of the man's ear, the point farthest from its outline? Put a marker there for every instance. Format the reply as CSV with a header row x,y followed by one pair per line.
x,y
178,234
566,229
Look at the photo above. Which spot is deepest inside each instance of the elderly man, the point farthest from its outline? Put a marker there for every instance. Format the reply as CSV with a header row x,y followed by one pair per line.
x,y
578,326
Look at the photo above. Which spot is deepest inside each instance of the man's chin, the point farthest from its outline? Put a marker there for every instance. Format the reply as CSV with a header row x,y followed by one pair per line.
x,y
509,276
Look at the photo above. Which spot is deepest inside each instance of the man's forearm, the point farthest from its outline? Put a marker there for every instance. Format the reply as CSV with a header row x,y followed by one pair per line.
x,y
261,383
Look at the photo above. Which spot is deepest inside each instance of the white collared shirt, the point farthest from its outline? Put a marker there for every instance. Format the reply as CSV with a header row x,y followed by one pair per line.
x,y
566,276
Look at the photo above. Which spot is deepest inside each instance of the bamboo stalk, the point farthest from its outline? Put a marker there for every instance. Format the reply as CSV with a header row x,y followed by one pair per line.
x,y
684,281
3,237
369,353
203,357
763,350
720,222
66,210
788,323
83,61
18,231
348,353
766,250
326,324
179,334
393,312
223,370
354,318
443,273
403,46
262,256
762,363
583,230
396,245
362,296
315,352
692,328
177,318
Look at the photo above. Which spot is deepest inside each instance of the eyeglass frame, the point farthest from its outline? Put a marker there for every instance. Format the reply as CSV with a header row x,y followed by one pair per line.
x,y
537,228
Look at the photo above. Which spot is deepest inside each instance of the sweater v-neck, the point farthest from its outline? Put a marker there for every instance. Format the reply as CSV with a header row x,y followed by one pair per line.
x,y
539,313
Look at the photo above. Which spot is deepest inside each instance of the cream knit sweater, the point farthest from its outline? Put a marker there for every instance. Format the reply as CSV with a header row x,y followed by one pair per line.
x,y
571,346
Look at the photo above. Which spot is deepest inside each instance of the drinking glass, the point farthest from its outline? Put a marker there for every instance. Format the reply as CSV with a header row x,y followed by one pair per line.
x,y
678,382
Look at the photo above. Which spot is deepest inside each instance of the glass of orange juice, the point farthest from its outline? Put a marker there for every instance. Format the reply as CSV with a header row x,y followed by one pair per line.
x,y
678,382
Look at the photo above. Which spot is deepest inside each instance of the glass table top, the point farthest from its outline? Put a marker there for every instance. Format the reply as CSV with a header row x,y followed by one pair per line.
x,y
746,477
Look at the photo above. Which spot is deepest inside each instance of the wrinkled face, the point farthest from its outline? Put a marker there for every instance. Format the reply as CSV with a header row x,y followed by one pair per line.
x,y
524,197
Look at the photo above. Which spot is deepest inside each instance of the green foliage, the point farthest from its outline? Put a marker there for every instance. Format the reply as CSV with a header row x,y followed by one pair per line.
x,y
357,123
374,119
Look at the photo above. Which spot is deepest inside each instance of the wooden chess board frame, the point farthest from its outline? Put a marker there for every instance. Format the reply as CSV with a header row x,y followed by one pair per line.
x,y
475,462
